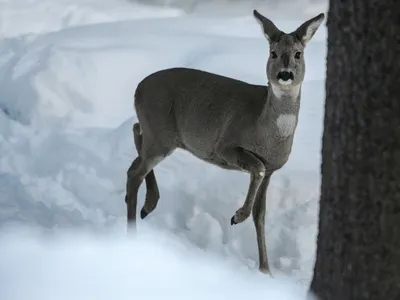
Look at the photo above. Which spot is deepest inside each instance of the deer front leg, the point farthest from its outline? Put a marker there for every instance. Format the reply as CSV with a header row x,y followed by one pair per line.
x,y
259,209
246,161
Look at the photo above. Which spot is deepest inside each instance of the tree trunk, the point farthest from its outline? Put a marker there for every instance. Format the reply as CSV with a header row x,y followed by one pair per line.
x,y
358,246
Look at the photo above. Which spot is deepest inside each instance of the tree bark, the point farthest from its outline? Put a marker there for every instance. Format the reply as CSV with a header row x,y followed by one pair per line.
x,y
358,245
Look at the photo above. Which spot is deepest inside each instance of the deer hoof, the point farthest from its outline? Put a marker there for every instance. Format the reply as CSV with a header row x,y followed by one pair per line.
x,y
143,214
239,216
264,268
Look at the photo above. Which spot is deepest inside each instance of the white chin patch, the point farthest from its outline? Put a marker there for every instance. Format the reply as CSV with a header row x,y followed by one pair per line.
x,y
287,82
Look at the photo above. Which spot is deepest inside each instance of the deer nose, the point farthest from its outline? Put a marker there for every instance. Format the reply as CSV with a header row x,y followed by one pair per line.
x,y
285,75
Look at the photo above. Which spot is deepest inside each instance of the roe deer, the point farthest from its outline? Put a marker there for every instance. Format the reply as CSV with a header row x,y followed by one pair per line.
x,y
226,122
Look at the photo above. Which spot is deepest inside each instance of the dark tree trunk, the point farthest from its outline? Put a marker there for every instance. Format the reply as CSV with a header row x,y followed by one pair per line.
x,y
358,247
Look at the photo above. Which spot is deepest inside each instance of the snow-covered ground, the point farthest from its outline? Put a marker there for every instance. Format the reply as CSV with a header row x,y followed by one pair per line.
x,y
68,71
153,266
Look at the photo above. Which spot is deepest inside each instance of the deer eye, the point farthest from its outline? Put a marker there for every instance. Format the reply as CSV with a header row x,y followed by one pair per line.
x,y
297,55
273,54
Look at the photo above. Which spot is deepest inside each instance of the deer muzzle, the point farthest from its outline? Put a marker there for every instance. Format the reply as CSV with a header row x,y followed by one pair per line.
x,y
285,75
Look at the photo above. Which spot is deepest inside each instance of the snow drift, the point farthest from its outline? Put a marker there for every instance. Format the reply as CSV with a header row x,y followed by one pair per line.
x,y
152,266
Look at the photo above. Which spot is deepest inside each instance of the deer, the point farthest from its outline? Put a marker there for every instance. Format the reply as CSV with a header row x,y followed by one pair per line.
x,y
223,121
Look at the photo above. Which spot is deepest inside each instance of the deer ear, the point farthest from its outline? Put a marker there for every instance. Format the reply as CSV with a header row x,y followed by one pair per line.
x,y
271,31
306,31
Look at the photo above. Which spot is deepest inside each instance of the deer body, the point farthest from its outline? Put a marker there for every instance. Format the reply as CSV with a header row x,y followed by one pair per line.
x,y
223,121
242,115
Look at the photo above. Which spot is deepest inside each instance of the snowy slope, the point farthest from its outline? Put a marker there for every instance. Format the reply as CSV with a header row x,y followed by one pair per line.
x,y
81,267
66,115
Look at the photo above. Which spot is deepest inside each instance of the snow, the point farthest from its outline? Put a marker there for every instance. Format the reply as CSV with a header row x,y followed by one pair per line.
x,y
68,71
81,267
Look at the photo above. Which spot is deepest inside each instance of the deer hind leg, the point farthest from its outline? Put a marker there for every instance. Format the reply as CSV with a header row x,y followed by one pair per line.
x,y
259,209
132,187
152,192
150,155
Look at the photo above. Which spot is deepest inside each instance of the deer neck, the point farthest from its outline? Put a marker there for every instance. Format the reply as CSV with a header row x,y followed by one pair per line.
x,y
282,110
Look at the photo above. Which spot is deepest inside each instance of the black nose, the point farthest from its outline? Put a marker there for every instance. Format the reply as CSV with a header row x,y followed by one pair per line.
x,y
285,75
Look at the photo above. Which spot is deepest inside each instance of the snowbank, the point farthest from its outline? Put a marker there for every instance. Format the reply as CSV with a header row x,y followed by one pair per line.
x,y
80,266
21,17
